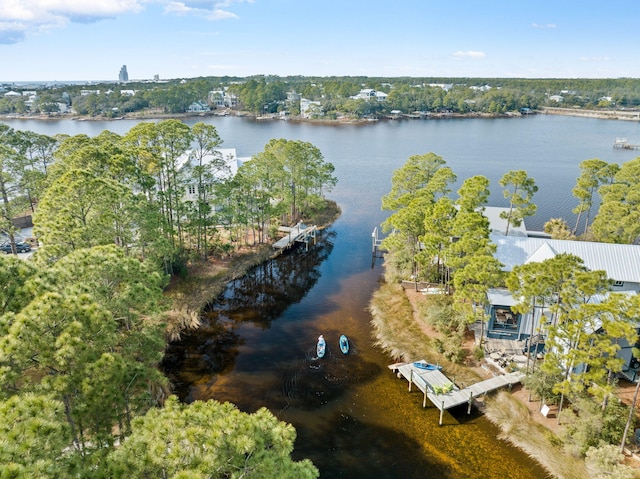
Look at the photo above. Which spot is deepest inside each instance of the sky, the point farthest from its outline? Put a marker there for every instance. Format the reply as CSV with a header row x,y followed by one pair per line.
x,y
90,40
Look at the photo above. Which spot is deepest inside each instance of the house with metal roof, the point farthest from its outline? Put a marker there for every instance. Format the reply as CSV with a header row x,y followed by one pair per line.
x,y
621,262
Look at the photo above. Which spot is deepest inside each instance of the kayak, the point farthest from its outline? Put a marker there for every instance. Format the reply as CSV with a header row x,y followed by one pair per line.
x,y
427,366
321,347
344,344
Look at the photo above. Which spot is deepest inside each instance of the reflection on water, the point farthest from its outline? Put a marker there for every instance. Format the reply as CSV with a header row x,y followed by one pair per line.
x,y
263,295
353,417
256,299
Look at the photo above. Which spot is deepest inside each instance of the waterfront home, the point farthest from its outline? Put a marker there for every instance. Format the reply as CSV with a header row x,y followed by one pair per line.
x,y
223,99
621,262
368,94
228,163
198,107
310,108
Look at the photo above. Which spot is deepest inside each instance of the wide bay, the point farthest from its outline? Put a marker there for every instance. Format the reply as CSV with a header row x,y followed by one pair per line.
x,y
354,418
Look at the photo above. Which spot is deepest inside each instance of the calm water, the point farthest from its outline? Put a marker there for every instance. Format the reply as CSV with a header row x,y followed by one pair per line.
x,y
354,418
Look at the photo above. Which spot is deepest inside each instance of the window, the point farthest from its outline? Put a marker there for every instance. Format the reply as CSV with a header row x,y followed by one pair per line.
x,y
192,189
618,284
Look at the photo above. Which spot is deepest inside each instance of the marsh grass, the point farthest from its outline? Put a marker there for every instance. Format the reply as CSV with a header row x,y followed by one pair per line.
x,y
398,333
203,283
394,328
514,420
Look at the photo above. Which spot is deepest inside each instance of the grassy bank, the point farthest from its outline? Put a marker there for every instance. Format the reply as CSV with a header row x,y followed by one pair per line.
x,y
401,333
205,280
514,420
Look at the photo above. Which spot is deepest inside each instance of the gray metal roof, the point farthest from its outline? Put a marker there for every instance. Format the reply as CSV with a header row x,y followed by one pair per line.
x,y
620,261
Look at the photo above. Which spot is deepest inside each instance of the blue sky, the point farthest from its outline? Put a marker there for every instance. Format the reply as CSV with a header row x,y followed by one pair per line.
x,y
63,40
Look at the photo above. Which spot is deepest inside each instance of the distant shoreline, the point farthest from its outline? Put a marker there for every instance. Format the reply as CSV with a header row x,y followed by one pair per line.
x,y
624,115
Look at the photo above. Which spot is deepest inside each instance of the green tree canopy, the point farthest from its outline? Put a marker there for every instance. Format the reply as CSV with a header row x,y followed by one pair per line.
x,y
618,219
519,191
208,440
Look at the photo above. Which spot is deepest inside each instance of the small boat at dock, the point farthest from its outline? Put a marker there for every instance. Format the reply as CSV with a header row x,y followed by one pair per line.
x,y
427,366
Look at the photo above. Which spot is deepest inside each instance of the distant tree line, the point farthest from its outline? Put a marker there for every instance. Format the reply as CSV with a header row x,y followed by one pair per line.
x,y
268,94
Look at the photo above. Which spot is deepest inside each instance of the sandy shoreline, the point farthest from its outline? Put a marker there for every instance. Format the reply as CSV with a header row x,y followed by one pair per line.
x,y
624,115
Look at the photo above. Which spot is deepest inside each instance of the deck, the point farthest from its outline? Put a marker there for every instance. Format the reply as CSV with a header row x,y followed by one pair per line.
x,y
430,381
299,233
623,144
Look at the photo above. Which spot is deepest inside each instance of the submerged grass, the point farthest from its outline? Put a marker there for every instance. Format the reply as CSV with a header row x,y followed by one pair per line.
x,y
514,420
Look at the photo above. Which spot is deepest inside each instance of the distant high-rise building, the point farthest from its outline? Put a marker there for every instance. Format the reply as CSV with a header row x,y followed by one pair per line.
x,y
124,76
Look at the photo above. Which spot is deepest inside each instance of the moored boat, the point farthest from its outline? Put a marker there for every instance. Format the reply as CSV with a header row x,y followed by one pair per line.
x,y
427,366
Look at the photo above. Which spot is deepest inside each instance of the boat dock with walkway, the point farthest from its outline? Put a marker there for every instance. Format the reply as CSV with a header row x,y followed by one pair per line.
x,y
300,233
623,144
443,393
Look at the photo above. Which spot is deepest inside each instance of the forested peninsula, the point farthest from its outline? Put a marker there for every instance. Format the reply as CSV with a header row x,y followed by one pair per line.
x,y
85,320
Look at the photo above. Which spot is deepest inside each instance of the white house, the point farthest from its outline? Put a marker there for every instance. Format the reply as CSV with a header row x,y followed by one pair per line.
x,y
198,107
370,94
443,86
309,108
231,164
222,99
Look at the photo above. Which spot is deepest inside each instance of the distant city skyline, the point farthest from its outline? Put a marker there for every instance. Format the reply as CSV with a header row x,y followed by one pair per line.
x,y
77,40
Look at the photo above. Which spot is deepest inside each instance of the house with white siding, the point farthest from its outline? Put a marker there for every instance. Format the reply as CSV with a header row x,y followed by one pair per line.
x,y
231,162
369,94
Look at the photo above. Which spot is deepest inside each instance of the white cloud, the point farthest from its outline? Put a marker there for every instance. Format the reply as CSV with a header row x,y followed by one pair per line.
x,y
19,18
545,26
469,54
181,8
44,10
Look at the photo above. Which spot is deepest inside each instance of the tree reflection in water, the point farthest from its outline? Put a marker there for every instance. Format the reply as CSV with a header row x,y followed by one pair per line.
x,y
259,297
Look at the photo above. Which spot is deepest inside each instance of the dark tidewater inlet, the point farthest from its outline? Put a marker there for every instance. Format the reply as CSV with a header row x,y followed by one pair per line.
x,y
354,418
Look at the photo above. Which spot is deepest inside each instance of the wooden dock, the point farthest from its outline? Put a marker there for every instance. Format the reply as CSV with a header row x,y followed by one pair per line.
x,y
376,243
623,144
299,233
432,383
